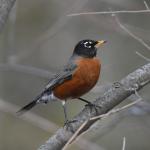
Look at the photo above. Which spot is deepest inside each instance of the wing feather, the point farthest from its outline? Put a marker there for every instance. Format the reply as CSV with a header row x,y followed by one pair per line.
x,y
59,78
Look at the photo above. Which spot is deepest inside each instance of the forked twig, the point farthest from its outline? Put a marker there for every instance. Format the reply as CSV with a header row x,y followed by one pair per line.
x,y
131,34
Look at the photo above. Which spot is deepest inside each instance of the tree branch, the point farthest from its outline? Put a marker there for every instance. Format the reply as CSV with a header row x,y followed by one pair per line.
x,y
5,7
26,69
110,12
111,98
124,143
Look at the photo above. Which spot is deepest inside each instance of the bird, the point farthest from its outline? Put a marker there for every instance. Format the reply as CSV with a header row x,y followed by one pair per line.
x,y
75,79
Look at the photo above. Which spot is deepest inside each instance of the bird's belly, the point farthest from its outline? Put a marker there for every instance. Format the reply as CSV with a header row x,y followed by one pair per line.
x,y
83,80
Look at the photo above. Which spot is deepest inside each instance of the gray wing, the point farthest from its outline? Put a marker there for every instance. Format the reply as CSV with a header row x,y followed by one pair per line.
x,y
63,75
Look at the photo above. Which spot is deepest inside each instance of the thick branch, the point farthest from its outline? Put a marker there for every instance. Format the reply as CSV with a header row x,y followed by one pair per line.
x,y
5,7
111,98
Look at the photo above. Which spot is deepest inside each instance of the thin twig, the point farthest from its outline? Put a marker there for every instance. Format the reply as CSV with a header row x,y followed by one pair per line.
x,y
146,5
52,31
26,69
131,34
124,143
109,12
75,135
34,119
142,56
116,110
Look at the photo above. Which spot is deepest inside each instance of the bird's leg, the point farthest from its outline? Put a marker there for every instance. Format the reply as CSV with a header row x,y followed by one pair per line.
x,y
67,122
65,111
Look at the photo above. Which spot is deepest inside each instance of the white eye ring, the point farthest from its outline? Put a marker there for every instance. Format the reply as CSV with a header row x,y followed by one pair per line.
x,y
85,44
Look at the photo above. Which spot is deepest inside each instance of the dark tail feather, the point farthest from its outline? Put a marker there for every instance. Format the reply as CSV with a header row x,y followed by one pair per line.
x,y
27,107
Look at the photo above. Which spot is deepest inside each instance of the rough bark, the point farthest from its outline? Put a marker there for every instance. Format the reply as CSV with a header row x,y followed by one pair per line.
x,y
111,98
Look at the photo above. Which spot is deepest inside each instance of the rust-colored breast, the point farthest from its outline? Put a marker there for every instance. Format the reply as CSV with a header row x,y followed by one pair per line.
x,y
83,80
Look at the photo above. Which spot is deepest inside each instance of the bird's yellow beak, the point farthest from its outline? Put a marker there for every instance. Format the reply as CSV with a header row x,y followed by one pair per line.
x,y
99,43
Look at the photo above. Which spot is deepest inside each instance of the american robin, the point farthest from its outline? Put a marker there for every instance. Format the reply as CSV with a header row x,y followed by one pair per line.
x,y
77,78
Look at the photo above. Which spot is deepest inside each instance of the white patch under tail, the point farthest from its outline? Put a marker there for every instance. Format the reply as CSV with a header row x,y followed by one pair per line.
x,y
46,98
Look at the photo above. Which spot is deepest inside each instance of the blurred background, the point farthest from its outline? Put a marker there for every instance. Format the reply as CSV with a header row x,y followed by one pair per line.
x,y
39,38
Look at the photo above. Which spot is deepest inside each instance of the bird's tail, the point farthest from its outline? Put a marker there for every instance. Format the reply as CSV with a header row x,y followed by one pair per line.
x,y
26,108
29,106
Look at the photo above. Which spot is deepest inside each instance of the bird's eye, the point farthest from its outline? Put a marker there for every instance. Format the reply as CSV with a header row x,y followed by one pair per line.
x,y
88,44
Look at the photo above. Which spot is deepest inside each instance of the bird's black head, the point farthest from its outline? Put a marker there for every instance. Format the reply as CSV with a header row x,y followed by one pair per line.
x,y
87,48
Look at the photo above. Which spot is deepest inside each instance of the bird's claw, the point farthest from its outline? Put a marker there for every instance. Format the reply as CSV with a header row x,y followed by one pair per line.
x,y
68,124
91,105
